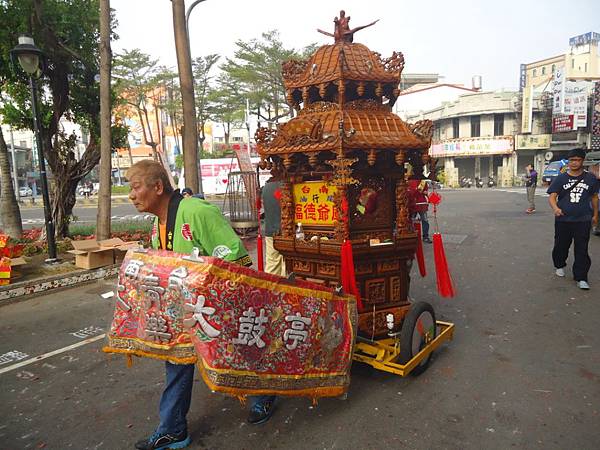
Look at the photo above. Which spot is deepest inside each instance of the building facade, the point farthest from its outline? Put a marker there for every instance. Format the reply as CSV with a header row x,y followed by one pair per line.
x,y
474,137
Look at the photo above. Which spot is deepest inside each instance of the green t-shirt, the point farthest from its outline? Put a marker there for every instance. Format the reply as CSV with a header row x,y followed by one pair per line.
x,y
192,222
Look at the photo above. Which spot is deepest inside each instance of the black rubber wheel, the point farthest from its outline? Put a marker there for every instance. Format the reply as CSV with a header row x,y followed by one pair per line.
x,y
418,329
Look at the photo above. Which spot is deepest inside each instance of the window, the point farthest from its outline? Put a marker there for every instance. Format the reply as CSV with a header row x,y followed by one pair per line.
x,y
455,128
498,124
544,70
535,72
23,144
573,63
585,70
553,68
475,126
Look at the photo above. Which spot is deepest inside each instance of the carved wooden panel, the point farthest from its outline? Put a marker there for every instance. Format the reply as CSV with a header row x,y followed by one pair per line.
x,y
327,269
395,289
375,290
363,269
388,266
301,266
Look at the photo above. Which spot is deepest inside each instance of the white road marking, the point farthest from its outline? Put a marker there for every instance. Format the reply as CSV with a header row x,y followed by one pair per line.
x,y
518,191
50,354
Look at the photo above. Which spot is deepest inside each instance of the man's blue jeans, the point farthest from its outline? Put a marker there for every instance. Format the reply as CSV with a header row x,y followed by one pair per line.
x,y
176,398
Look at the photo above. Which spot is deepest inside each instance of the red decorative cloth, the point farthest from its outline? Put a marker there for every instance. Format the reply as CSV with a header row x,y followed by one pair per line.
x,y
251,332
420,255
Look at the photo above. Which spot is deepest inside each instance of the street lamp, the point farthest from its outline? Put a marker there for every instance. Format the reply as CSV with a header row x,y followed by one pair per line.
x,y
30,57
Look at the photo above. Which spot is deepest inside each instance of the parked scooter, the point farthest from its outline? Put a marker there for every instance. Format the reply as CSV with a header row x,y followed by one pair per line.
x,y
478,182
465,182
491,182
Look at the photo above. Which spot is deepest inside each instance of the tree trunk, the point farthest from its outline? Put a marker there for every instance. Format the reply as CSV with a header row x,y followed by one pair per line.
x,y
186,81
9,208
104,194
62,203
130,155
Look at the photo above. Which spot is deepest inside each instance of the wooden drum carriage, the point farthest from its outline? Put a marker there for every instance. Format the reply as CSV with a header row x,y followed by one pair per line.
x,y
341,162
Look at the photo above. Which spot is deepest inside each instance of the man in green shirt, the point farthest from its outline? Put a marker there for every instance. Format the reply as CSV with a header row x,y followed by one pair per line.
x,y
180,225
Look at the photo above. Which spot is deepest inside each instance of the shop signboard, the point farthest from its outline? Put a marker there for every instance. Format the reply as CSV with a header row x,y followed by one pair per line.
x,y
474,147
527,113
558,92
562,123
575,102
522,77
596,118
533,141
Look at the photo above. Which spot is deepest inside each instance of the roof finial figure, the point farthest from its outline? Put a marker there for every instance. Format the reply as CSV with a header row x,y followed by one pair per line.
x,y
342,32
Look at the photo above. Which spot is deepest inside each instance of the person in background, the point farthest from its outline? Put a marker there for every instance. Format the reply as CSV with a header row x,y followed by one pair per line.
x,y
187,192
262,406
419,204
180,225
574,200
531,177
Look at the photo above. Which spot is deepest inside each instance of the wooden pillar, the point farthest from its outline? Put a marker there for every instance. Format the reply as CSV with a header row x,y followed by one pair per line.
x,y
287,210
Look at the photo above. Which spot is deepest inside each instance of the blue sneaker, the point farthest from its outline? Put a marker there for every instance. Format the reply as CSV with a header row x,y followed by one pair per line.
x,y
261,412
164,441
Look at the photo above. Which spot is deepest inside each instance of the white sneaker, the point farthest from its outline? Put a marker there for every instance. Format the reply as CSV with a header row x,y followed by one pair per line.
x,y
583,285
560,272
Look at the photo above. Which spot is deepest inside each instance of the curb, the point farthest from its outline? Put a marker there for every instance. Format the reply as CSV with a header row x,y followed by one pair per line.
x,y
78,203
15,292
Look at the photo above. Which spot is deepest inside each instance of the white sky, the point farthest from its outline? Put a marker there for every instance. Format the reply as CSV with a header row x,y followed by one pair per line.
x,y
455,38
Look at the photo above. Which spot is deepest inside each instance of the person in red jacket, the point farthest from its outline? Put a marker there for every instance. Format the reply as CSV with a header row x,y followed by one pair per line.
x,y
419,204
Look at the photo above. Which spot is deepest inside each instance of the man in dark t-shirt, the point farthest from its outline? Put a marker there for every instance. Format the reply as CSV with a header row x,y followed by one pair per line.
x,y
574,200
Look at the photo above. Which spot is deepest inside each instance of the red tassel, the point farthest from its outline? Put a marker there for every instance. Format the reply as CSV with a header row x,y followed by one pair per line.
x,y
348,276
444,280
419,252
259,252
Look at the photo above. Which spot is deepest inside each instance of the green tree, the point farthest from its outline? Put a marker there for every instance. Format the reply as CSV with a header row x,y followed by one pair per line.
x,y
255,72
226,104
137,77
201,68
67,32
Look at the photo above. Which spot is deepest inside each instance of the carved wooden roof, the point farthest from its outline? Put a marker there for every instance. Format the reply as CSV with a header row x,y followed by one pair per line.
x,y
367,125
346,61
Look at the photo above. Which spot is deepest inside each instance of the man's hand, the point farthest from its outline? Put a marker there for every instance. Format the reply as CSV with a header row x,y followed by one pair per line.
x,y
558,212
595,220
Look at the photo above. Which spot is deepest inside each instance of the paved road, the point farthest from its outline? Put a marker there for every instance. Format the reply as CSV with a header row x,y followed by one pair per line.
x,y
522,372
34,217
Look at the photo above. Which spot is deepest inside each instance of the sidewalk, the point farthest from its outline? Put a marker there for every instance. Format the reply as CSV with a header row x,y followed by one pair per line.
x,y
37,277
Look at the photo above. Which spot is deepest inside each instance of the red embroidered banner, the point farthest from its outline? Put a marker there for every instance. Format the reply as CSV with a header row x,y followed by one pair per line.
x,y
253,332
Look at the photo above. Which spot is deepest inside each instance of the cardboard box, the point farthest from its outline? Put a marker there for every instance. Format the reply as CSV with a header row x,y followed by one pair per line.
x,y
90,254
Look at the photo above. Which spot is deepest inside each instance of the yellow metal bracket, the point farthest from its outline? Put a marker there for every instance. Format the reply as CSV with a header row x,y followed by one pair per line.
x,y
382,354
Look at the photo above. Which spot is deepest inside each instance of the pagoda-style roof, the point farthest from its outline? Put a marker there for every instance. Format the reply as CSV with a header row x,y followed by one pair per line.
x,y
343,61
367,125
343,94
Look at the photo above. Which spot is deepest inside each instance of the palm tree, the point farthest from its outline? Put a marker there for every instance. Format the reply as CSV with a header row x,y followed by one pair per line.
x,y
9,208
104,197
